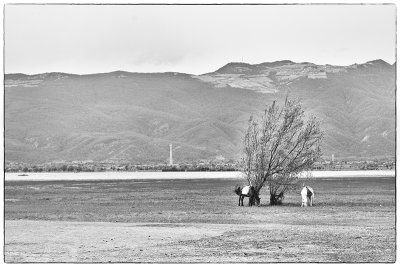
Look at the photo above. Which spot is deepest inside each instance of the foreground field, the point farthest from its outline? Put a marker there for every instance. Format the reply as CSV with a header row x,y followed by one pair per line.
x,y
196,220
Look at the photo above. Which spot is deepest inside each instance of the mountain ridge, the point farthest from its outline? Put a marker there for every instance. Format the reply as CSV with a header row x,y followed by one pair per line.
x,y
8,75
135,116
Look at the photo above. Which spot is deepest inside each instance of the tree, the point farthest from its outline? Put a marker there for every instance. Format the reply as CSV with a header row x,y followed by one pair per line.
x,y
64,168
279,148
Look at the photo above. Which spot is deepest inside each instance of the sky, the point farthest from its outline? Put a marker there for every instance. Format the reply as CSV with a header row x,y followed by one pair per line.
x,y
192,39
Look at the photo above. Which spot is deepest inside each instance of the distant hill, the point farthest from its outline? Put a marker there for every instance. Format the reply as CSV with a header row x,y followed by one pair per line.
x,y
124,116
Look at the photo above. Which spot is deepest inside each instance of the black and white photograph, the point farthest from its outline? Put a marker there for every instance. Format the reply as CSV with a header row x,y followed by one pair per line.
x,y
199,133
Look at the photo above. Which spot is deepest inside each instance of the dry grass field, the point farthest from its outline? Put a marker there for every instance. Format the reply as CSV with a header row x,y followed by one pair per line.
x,y
197,220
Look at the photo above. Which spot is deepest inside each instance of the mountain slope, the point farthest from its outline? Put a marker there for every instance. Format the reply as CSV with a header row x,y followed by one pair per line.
x,y
135,116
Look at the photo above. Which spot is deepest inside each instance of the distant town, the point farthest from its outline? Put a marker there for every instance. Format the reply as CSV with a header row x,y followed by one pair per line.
x,y
230,165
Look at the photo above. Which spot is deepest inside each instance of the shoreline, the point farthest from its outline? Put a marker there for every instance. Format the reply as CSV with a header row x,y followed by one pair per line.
x,y
85,176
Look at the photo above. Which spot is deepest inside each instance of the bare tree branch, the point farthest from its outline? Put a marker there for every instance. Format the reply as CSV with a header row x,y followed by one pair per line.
x,y
280,147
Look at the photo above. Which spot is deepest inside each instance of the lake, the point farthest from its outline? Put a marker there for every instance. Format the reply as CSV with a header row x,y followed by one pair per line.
x,y
177,175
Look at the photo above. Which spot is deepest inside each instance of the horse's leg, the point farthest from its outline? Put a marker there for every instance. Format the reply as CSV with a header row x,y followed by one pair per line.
x,y
239,199
242,198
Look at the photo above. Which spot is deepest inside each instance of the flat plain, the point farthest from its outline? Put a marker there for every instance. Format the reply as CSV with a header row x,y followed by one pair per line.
x,y
197,221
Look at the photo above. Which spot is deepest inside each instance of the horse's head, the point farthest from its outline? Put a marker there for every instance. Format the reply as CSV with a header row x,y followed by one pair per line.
x,y
238,190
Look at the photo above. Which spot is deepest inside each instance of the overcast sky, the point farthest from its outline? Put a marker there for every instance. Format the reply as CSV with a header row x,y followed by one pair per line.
x,y
192,39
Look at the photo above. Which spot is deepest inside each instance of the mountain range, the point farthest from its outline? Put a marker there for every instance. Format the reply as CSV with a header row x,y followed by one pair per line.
x,y
124,116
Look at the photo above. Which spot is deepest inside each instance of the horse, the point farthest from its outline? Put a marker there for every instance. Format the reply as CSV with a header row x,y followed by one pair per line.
x,y
307,196
247,191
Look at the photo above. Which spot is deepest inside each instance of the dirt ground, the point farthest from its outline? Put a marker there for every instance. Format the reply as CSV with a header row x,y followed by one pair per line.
x,y
197,221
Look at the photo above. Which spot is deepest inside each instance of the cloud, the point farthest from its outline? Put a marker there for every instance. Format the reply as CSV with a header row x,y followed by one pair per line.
x,y
193,39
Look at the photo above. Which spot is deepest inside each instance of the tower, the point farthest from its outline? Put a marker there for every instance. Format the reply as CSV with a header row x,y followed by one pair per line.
x,y
170,154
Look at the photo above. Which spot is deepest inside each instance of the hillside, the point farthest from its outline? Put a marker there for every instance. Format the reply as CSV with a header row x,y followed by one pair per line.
x,y
135,116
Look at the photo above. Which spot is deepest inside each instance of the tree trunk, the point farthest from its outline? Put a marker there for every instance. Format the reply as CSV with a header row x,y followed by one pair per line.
x,y
275,199
255,199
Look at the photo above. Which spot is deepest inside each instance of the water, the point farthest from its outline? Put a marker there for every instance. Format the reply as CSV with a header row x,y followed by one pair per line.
x,y
177,175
